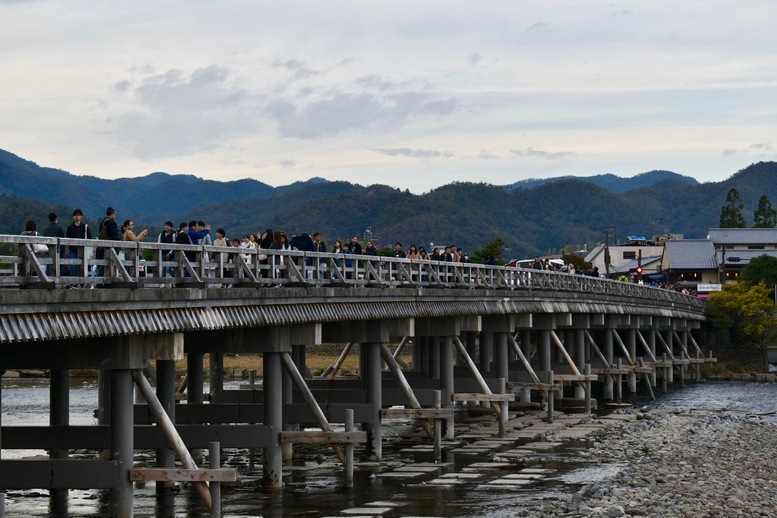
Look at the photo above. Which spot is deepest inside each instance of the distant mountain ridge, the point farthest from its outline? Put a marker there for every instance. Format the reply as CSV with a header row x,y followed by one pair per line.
x,y
611,182
537,217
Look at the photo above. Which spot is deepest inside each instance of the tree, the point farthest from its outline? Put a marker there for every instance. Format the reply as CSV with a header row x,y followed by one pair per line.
x,y
744,311
731,213
760,269
494,248
765,216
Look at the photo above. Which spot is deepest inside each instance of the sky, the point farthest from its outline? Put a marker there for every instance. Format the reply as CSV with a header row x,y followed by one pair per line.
x,y
411,94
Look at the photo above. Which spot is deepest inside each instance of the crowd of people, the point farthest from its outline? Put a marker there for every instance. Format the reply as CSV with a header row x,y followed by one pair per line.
x,y
198,233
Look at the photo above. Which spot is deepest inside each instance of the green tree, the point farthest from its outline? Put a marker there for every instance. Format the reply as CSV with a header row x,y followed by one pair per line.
x,y
760,269
744,311
494,248
731,213
765,216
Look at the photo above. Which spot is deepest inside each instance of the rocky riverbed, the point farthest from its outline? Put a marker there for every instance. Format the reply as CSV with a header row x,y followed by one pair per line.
x,y
692,463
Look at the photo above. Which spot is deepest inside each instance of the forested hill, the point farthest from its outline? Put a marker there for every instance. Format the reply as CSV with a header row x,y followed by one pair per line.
x,y
611,182
531,220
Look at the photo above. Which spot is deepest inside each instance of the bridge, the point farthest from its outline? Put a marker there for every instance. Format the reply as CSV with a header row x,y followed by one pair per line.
x,y
490,336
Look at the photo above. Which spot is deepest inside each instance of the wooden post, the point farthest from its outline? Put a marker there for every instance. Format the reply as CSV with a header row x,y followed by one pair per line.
x,y
503,414
587,388
214,462
549,397
664,373
349,449
437,427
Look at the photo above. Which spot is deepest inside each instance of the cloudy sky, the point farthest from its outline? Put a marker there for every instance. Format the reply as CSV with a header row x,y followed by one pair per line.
x,y
411,94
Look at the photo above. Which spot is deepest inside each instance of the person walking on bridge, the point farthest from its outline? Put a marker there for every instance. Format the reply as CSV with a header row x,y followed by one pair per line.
x,y
109,231
77,230
54,230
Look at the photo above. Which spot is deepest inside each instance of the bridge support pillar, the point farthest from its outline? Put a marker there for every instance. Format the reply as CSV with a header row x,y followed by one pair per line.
x,y
580,357
651,341
434,357
609,380
194,388
287,389
484,356
59,397
121,427
526,350
371,368
446,380
670,346
272,461
502,355
631,345
216,376
419,344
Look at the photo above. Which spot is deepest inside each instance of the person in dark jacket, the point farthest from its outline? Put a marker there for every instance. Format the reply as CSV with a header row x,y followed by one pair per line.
x,y
54,230
77,230
109,231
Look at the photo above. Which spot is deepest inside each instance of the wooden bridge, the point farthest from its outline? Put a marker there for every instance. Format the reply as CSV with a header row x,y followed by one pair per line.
x,y
488,335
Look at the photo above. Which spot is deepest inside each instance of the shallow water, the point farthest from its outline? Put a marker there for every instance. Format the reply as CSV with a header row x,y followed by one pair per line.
x,y
314,484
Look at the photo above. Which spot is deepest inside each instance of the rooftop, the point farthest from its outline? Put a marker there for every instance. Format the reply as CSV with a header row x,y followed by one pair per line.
x,y
691,254
742,236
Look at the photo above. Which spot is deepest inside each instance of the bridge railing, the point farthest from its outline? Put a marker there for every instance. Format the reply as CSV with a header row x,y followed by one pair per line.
x,y
67,263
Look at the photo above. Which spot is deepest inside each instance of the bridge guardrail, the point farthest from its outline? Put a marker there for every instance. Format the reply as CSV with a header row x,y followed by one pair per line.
x,y
86,263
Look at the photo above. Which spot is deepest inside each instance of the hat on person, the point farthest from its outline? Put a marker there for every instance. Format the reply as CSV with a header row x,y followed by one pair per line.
x,y
78,212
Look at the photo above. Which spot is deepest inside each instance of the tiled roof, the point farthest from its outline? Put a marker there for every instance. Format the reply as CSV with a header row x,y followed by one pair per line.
x,y
691,254
743,236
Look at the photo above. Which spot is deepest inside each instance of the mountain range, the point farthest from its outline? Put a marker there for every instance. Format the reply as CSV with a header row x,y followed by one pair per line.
x,y
532,217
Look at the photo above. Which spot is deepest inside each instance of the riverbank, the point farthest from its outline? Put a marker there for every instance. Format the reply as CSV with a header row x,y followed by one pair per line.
x,y
705,464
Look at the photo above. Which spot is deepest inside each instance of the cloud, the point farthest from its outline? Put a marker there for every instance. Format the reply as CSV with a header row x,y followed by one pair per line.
x,y
288,164
177,114
529,152
122,86
762,146
349,111
290,64
415,153
487,156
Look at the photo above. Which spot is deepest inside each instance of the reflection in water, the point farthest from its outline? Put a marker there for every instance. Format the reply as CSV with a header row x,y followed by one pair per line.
x,y
314,483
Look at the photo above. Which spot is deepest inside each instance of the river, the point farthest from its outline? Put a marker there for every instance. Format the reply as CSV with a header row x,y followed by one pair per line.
x,y
314,483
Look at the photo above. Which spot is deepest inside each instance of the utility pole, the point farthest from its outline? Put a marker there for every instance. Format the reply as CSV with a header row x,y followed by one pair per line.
x,y
607,258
